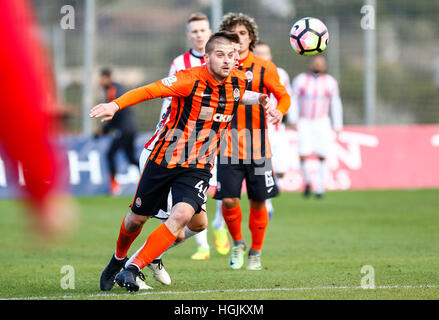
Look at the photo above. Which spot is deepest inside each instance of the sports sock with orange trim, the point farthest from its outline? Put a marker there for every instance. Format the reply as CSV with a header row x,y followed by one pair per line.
x,y
158,241
233,218
258,223
125,240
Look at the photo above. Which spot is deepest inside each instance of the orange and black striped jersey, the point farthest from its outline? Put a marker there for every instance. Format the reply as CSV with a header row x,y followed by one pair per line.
x,y
201,111
248,136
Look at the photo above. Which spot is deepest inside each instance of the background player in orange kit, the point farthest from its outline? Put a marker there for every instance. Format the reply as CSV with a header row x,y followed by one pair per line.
x,y
26,123
277,133
247,154
204,101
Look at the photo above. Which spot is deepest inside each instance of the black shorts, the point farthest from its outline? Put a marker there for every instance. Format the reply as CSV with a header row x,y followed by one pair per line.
x,y
187,185
258,176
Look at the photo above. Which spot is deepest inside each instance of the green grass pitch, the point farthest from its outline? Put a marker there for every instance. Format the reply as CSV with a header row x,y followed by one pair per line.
x,y
314,249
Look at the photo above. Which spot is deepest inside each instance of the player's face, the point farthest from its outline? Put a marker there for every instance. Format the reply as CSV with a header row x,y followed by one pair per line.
x,y
244,37
318,64
104,81
221,60
198,33
263,51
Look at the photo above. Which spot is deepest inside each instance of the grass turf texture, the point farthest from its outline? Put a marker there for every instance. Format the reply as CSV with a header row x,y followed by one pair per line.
x,y
314,249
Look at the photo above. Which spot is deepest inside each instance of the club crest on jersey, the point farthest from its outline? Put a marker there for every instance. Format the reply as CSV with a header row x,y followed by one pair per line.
x,y
249,75
169,81
236,94
138,202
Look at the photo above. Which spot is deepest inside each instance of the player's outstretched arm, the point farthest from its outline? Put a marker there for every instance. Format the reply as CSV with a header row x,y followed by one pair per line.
x,y
179,85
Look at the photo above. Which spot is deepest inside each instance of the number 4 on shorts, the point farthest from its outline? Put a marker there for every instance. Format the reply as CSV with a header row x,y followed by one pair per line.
x,y
202,191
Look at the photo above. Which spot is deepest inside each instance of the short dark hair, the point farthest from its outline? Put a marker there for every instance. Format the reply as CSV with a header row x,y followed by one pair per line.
x,y
106,72
232,19
230,36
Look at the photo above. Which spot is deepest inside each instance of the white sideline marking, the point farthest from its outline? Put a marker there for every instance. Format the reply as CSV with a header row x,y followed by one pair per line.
x,y
152,293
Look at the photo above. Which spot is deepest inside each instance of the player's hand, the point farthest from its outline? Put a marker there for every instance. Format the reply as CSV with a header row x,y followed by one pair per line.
x,y
264,100
106,111
276,115
294,126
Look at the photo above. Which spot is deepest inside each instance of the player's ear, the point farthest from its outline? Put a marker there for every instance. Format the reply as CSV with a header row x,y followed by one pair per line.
x,y
206,57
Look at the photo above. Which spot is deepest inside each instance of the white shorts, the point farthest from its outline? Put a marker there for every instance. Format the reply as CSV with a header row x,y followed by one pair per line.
x,y
314,136
279,148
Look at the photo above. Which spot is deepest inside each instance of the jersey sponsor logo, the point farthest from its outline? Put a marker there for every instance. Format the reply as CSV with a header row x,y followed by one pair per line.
x,y
169,81
236,94
219,117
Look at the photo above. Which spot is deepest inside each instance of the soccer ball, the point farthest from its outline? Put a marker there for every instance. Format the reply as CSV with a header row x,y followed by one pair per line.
x,y
309,36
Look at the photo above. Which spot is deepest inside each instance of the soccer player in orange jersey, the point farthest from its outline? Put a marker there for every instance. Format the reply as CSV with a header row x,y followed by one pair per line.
x,y
198,32
276,133
205,100
247,154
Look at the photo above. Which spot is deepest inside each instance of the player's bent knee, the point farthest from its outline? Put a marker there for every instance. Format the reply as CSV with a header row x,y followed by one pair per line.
x,y
258,205
134,221
197,227
198,222
230,203
181,214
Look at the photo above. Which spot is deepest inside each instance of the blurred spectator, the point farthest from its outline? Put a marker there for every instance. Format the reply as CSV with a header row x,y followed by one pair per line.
x,y
122,127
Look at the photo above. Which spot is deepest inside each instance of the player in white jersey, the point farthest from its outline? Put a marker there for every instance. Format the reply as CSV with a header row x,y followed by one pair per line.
x,y
316,101
276,133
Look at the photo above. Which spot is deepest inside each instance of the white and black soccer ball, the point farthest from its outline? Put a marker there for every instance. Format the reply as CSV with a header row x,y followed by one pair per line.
x,y
309,36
